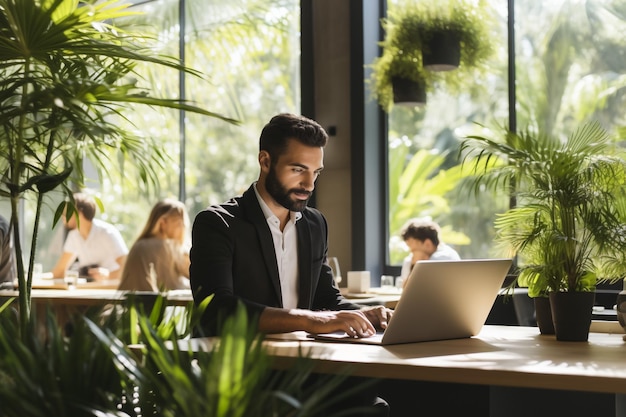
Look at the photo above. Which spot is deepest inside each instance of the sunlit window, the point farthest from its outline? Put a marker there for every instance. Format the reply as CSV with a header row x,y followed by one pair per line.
x,y
248,53
570,68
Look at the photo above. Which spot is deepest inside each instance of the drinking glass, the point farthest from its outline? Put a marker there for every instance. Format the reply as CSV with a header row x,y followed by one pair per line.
x,y
386,281
334,265
71,277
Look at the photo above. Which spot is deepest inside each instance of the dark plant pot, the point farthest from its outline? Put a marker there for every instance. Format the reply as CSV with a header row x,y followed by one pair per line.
x,y
543,315
442,52
571,313
621,309
408,92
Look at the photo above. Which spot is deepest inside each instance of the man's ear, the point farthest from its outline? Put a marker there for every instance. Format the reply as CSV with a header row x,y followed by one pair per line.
x,y
264,161
431,246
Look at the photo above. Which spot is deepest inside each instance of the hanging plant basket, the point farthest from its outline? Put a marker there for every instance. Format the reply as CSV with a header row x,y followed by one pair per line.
x,y
442,52
408,92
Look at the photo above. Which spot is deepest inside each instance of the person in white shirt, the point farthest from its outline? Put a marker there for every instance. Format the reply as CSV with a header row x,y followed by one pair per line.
x,y
422,238
98,246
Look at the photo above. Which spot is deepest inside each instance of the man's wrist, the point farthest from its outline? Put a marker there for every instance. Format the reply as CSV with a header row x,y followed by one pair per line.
x,y
279,320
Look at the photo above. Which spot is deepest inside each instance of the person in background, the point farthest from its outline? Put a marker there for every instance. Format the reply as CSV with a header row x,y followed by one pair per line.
x,y
7,270
422,238
159,258
98,245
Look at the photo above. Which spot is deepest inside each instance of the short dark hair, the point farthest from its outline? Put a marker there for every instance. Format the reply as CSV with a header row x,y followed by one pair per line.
x,y
85,204
421,230
285,126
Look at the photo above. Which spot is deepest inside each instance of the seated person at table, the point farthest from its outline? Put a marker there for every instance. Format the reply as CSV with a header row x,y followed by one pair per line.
x,y
7,270
268,250
422,238
159,260
98,246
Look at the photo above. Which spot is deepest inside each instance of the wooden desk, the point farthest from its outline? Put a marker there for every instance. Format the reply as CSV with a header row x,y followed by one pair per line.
x,y
375,296
506,371
499,356
90,297
68,304
62,284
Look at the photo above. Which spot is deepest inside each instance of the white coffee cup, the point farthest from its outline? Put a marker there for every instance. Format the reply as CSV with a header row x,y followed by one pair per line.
x,y
358,281
37,271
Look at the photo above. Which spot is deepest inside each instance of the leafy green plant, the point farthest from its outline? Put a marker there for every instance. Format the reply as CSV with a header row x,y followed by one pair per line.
x,y
417,188
43,373
408,29
569,221
232,377
395,63
66,75
93,371
416,23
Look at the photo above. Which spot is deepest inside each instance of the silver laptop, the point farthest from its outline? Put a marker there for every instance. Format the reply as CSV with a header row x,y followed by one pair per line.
x,y
442,300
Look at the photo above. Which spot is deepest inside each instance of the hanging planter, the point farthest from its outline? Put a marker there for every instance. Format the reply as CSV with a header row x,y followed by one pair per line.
x,y
398,78
459,32
408,92
463,25
442,52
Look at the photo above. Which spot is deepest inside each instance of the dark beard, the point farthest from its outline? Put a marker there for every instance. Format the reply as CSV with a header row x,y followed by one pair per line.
x,y
282,195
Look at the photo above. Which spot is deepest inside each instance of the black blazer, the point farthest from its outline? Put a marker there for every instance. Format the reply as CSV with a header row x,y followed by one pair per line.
x,y
233,257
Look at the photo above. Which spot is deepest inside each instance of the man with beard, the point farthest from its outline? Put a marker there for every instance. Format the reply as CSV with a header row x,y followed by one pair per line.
x,y
97,245
267,250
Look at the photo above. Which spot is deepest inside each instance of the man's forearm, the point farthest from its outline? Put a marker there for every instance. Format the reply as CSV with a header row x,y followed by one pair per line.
x,y
353,322
279,320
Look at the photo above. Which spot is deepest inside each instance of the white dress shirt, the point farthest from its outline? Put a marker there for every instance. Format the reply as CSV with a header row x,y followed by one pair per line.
x,y
286,248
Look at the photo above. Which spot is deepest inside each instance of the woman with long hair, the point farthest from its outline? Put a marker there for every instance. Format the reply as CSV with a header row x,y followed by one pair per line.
x,y
159,258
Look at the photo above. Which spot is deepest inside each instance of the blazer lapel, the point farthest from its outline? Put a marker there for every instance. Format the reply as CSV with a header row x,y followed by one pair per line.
x,y
255,215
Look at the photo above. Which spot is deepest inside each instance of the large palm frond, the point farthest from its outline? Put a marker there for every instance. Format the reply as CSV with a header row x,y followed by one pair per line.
x,y
67,74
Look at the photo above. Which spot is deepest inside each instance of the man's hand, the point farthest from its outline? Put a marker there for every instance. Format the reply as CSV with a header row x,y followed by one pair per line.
x,y
379,316
354,322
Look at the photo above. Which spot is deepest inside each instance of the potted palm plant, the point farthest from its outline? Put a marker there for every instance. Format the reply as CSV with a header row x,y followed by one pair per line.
x,y
67,77
568,223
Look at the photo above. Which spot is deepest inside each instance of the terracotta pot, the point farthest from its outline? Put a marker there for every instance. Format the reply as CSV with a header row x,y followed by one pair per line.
x,y
442,52
408,92
571,313
543,315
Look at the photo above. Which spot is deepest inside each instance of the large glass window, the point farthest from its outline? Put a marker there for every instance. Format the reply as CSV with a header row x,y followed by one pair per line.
x,y
570,68
249,54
